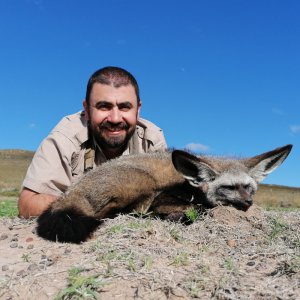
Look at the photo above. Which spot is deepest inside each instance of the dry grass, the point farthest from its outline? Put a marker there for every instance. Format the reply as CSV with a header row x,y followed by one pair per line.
x,y
277,196
226,254
13,166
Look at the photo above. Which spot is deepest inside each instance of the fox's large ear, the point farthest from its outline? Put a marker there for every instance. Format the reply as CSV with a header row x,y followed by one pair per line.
x,y
262,165
192,168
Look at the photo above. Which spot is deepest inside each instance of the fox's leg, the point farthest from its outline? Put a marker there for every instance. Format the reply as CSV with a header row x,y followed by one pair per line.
x,y
135,194
170,207
140,204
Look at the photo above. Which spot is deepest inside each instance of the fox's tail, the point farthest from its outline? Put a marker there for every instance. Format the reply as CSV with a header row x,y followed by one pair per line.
x,y
67,224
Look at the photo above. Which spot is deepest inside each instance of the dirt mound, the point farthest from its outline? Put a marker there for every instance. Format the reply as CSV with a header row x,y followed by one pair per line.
x,y
226,254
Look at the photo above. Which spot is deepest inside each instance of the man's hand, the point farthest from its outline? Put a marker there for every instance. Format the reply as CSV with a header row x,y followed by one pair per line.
x,y
32,204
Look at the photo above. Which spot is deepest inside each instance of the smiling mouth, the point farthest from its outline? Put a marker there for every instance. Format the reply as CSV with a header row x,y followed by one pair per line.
x,y
114,131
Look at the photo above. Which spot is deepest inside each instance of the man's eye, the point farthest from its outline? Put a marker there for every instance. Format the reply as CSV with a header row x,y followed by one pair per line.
x,y
103,107
125,107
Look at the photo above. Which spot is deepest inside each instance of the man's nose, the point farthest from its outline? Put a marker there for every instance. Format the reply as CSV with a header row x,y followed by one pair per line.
x,y
114,116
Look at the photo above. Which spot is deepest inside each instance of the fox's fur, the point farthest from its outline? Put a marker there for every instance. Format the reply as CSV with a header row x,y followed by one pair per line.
x,y
165,183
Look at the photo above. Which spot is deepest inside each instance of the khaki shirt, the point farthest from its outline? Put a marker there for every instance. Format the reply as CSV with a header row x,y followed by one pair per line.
x,y
60,159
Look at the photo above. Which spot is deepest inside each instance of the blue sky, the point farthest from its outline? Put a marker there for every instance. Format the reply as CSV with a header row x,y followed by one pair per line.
x,y
219,76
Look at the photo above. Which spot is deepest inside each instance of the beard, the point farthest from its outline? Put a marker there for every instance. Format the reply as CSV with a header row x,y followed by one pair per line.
x,y
106,141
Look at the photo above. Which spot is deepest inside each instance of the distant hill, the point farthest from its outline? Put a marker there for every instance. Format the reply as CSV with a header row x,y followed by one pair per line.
x,y
14,163
277,195
13,166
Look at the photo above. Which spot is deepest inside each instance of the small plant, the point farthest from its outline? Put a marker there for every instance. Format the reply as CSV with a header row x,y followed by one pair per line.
x,y
229,264
109,272
181,259
278,227
26,257
147,262
175,234
80,287
192,215
197,282
108,256
116,229
131,264
8,208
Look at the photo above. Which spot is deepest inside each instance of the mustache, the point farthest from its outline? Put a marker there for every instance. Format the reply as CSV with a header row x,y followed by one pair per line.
x,y
111,126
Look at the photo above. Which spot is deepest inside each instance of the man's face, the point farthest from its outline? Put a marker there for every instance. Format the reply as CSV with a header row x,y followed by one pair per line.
x,y
113,114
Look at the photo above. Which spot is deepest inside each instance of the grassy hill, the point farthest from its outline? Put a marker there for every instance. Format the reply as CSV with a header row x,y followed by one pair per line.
x,y
14,163
13,166
269,195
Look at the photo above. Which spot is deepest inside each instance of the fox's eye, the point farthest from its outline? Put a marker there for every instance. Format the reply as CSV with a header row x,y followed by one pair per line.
x,y
229,187
248,188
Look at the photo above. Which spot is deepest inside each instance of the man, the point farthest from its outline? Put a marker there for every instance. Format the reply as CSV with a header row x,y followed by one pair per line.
x,y
108,127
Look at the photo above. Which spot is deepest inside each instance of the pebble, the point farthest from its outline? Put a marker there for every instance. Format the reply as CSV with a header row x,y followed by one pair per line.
x,y
3,236
5,268
33,267
232,243
251,263
30,246
49,263
28,240
68,250
14,245
21,273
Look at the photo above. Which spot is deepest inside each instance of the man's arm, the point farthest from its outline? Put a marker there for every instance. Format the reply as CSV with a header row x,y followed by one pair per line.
x,y
32,204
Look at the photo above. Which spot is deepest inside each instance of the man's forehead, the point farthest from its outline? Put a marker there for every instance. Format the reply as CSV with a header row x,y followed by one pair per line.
x,y
109,93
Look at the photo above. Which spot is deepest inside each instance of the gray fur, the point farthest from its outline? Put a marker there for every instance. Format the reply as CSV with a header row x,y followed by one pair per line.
x,y
166,183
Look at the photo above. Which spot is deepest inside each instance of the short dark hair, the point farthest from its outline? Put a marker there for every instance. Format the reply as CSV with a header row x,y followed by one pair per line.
x,y
114,76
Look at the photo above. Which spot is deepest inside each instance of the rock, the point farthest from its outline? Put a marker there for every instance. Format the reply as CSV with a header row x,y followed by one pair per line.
x,y
3,236
5,267
232,243
14,245
33,267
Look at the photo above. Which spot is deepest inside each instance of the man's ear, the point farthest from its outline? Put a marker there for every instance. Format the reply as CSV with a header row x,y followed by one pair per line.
x,y
262,165
193,168
86,109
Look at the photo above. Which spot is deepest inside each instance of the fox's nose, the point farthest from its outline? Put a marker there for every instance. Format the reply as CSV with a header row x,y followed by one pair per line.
x,y
249,201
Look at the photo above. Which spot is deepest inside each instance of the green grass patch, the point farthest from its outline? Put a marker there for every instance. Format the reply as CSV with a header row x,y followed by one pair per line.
x,y
10,193
192,215
8,208
278,228
80,286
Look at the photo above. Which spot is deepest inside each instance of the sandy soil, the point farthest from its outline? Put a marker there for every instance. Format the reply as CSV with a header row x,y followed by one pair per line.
x,y
226,254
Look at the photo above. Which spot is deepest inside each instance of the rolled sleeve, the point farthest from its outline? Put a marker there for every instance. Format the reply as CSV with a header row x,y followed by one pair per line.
x,y
50,171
